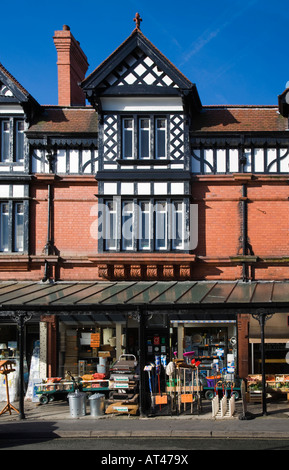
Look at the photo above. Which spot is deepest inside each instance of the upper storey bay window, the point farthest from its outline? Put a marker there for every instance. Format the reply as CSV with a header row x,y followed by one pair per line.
x,y
144,138
11,140
144,225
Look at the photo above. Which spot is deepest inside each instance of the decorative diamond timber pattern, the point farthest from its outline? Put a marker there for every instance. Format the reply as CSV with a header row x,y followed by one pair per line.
x,y
110,138
138,69
177,137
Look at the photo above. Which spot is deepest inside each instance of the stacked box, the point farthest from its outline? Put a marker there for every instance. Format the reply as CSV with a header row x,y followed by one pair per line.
x,y
71,353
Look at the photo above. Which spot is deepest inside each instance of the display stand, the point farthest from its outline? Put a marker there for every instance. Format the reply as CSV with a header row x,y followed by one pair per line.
x,y
5,368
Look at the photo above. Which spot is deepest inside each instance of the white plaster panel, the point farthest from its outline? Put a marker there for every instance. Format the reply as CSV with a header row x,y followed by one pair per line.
x,y
73,161
4,190
177,166
36,161
143,188
177,188
284,163
61,161
259,160
4,168
110,188
221,161
18,190
140,104
208,157
160,188
234,161
127,188
86,157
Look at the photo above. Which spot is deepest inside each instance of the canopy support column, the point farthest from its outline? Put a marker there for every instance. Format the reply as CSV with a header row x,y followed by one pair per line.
x,y
261,316
21,318
141,340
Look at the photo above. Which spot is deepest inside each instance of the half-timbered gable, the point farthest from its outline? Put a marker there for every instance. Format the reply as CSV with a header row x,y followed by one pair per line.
x,y
145,106
17,108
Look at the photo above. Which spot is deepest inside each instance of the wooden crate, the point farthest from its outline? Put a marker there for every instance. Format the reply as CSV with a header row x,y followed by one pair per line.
x,y
253,397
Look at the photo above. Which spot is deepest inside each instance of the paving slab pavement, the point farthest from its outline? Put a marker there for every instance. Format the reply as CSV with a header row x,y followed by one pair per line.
x,y
54,421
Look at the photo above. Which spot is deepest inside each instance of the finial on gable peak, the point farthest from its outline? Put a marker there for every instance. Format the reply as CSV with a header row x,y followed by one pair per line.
x,y
137,20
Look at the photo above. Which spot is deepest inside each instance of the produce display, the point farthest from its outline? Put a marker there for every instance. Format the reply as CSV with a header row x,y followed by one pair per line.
x,y
273,383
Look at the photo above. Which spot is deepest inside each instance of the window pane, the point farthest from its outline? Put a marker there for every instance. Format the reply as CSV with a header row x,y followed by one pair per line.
x,y
161,138
177,225
5,127
144,226
110,226
18,227
127,147
161,226
4,227
19,141
144,138
127,226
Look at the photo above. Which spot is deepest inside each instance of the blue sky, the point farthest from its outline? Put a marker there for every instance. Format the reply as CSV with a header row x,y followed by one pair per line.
x,y
235,51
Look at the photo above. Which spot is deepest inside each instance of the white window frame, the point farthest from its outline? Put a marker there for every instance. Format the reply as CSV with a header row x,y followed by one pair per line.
x,y
176,212
127,222
5,134
157,134
4,227
12,227
110,228
141,132
161,211
19,144
125,132
18,228
147,213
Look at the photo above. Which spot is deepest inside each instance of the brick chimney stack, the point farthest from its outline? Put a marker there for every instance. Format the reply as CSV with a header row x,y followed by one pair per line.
x,y
72,66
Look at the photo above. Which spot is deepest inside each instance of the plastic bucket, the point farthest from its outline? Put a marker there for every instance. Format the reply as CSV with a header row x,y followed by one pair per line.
x,y
101,367
210,382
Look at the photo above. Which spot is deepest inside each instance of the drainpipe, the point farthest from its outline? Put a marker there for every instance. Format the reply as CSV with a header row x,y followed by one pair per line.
x,y
244,231
47,248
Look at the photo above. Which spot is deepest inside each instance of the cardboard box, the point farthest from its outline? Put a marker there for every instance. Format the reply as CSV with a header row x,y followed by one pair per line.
x,y
103,353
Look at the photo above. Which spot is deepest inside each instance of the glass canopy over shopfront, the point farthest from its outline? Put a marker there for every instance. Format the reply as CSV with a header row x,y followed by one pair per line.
x,y
91,295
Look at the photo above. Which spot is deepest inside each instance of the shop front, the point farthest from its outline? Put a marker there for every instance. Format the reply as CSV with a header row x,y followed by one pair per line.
x,y
149,344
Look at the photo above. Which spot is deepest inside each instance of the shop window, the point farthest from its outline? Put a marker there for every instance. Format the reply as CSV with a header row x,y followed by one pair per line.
x,y
211,346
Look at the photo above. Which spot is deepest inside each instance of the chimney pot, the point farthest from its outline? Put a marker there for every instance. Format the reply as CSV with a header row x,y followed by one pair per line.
x,y
66,28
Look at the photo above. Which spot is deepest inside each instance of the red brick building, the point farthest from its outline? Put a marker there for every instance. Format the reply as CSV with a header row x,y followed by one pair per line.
x,y
177,211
